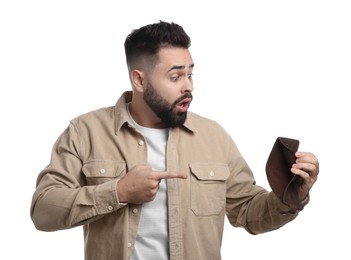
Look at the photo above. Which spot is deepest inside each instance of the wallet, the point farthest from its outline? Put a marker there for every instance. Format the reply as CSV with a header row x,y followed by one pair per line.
x,y
280,178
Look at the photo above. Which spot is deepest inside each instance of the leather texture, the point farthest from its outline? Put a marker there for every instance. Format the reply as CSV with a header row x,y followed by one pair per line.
x,y
280,178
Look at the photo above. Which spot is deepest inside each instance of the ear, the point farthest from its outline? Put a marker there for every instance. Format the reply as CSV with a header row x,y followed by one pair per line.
x,y
138,80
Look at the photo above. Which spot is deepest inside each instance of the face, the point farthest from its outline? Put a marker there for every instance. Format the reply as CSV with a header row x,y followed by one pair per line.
x,y
167,112
168,91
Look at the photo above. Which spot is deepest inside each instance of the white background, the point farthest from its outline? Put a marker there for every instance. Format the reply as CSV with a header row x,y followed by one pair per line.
x,y
262,69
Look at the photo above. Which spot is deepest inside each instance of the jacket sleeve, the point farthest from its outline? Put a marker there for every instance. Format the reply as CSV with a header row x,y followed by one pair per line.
x,y
249,205
62,198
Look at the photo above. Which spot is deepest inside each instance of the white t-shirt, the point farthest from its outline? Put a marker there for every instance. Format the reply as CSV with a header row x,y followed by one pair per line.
x,y
152,236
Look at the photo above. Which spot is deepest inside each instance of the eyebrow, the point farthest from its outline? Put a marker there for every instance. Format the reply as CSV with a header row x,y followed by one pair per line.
x,y
180,67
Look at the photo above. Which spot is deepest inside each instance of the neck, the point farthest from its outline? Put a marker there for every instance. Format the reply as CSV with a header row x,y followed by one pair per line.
x,y
144,116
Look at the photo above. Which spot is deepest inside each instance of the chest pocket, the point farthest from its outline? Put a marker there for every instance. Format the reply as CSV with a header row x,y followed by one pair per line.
x,y
97,172
208,188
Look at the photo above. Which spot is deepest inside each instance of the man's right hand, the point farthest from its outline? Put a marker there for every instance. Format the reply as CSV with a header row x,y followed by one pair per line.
x,y
141,184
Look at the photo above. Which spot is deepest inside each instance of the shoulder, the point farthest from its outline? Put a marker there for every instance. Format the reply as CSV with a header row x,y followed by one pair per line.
x,y
101,115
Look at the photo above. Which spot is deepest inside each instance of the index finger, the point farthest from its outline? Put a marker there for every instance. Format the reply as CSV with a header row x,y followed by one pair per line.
x,y
306,157
171,175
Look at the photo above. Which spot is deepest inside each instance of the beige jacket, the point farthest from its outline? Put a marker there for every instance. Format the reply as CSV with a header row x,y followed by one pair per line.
x,y
78,187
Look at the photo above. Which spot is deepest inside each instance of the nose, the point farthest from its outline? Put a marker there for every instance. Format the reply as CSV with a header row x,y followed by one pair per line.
x,y
188,85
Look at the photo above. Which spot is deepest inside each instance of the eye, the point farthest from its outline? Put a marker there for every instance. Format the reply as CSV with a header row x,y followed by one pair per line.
x,y
190,76
175,78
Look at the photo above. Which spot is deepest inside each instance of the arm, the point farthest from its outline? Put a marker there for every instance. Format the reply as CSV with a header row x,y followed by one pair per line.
x,y
251,206
62,198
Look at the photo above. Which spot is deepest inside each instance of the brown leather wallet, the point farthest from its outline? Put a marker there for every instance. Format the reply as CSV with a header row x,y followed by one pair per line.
x,y
280,178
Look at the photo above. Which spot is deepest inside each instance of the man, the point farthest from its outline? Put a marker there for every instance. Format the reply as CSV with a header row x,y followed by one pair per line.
x,y
149,180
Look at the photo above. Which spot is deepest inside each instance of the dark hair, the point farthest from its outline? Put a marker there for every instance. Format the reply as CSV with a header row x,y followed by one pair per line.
x,y
147,40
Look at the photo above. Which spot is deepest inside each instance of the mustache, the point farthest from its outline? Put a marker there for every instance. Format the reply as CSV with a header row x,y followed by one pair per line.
x,y
186,95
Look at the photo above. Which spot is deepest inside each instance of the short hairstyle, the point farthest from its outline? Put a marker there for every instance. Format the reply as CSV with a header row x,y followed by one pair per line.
x,y
147,41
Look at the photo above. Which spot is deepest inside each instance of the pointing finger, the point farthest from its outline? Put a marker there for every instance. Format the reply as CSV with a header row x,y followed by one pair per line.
x,y
170,175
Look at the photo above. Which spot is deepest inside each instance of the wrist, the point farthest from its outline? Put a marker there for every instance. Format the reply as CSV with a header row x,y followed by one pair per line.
x,y
119,192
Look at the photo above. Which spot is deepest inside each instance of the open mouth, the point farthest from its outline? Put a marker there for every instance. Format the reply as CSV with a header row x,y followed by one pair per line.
x,y
184,105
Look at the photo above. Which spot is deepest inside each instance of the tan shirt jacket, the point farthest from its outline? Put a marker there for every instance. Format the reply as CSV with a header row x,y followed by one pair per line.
x,y
78,187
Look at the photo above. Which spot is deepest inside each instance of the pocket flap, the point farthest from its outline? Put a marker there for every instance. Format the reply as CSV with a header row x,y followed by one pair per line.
x,y
210,171
107,169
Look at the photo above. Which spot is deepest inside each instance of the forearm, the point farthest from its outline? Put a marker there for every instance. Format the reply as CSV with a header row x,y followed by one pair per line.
x,y
62,207
266,213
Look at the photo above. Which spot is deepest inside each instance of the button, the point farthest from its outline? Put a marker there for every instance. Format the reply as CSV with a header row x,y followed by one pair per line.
x,y
102,170
129,244
212,174
141,142
110,208
135,210
175,213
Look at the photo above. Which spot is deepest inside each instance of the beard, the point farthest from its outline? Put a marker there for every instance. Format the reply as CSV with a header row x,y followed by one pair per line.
x,y
166,111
